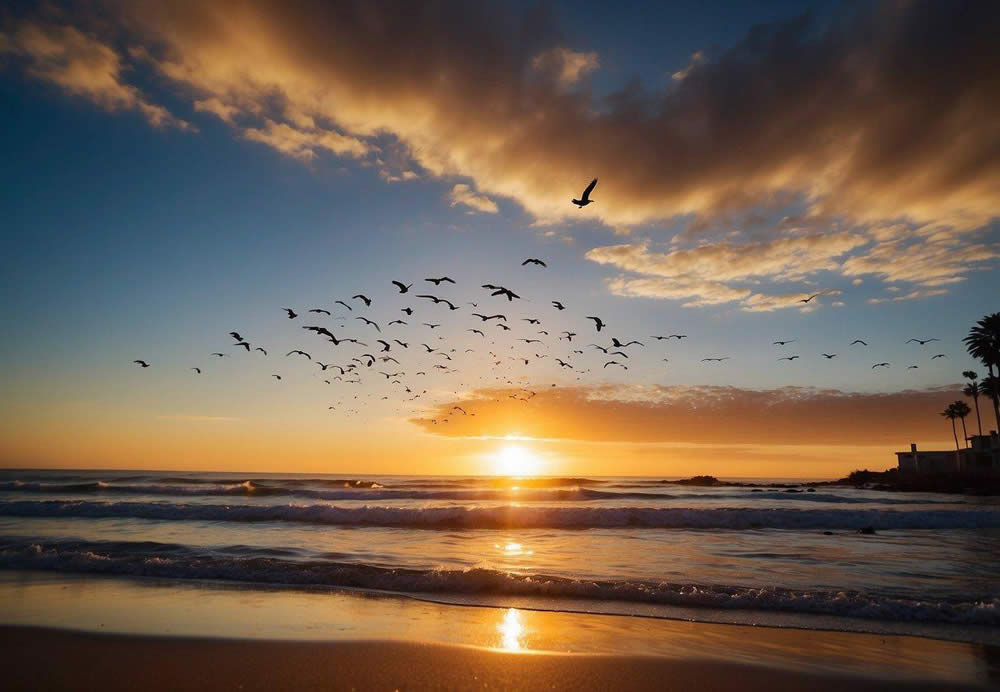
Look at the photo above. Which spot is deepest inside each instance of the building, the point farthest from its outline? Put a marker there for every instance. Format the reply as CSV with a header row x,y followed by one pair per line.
x,y
980,458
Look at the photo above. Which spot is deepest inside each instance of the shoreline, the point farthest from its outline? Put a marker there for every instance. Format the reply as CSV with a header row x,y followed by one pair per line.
x,y
55,659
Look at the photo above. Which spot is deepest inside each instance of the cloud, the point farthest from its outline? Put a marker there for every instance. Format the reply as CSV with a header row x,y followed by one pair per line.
x,y
463,194
83,66
697,58
880,117
712,274
567,66
700,415
302,144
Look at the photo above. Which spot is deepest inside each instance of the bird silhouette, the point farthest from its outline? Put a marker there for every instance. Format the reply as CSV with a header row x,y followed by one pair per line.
x,y
301,353
615,362
291,313
714,360
244,344
219,355
940,355
197,370
261,350
788,358
782,343
373,323
141,363
557,305
859,341
236,335
277,377
321,311
534,260
510,295
618,344
403,288
344,304
585,197
880,365
828,356
922,342
437,282
598,322
366,299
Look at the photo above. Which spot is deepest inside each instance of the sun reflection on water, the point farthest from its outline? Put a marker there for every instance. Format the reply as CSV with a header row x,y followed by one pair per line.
x,y
511,630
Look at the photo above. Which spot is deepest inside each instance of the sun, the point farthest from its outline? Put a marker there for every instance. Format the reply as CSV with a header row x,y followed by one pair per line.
x,y
514,460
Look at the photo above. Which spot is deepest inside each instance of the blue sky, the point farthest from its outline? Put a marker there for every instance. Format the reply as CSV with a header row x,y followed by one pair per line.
x,y
125,240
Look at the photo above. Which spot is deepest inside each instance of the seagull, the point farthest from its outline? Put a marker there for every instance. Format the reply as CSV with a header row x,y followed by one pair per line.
x,y
261,350
403,288
432,326
912,367
859,341
277,377
321,311
814,295
301,353
557,305
291,313
530,320
408,311
197,370
615,362
501,291
585,197
940,355
598,322
782,343
437,282
236,335
476,331
714,360
385,345
534,260
788,358
563,363
141,363
923,342
618,344
371,322
244,344
828,356
217,355
366,299
880,365
344,304
678,336
397,322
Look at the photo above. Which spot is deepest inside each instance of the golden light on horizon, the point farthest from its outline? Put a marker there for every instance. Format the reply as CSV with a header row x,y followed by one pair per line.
x,y
515,460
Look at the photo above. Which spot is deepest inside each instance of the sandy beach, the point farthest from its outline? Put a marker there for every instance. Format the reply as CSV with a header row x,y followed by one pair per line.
x,y
36,658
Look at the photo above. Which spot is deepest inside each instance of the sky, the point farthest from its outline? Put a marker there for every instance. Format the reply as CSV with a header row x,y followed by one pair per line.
x,y
175,172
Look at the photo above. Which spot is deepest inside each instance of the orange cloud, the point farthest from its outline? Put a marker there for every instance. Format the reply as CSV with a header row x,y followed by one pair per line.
x,y
83,66
697,415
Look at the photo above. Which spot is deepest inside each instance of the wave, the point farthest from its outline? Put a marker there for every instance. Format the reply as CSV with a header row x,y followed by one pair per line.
x,y
360,490
179,562
517,516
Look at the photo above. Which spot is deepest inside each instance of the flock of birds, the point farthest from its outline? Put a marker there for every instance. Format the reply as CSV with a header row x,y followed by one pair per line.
x,y
396,352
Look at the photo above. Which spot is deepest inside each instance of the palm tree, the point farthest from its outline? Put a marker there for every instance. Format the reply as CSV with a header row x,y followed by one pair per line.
x,y
983,342
972,390
951,414
961,411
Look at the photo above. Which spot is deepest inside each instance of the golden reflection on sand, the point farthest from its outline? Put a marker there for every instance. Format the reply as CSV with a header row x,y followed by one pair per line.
x,y
511,630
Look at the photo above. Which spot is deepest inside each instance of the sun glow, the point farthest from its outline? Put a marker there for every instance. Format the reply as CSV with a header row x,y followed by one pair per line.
x,y
514,460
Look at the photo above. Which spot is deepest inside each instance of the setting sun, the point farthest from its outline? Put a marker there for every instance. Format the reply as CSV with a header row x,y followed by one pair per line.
x,y
514,460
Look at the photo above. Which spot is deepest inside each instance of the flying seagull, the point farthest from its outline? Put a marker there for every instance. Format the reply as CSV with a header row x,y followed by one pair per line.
x,y
788,358
403,288
557,305
197,370
291,313
344,304
437,282
880,365
141,363
940,355
922,342
782,343
534,260
366,299
261,350
714,360
321,311
301,353
370,322
859,341
585,197
598,322
828,356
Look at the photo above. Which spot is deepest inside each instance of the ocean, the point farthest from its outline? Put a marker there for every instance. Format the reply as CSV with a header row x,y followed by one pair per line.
x,y
634,546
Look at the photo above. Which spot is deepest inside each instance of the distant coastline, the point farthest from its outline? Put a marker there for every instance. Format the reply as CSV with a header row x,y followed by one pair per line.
x,y
890,481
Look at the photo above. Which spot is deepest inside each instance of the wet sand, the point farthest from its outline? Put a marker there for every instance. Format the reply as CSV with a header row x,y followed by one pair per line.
x,y
37,658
